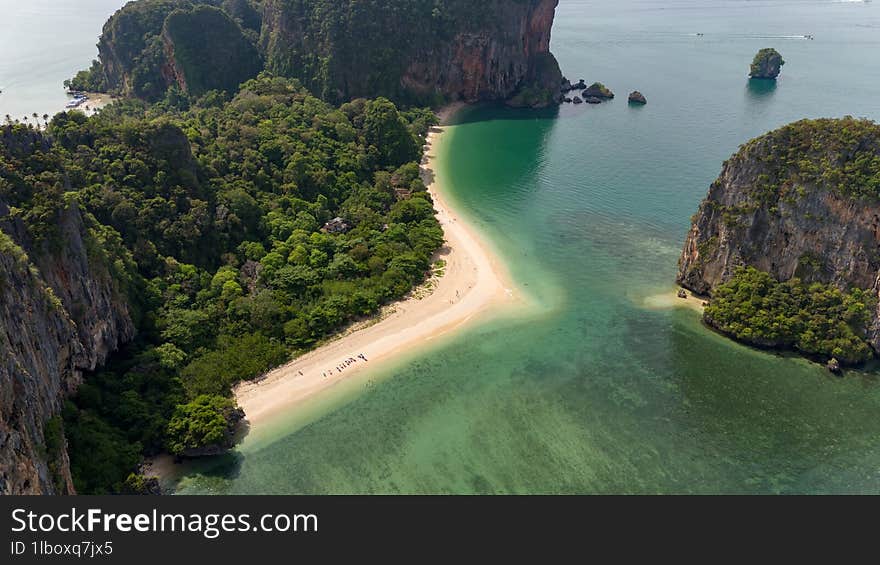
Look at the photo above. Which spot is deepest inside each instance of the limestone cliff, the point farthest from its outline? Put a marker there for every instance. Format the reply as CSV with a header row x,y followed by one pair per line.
x,y
421,51
61,314
197,45
801,201
412,51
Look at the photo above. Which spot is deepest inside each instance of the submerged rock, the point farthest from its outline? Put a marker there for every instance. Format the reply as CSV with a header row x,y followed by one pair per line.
x,y
577,100
593,100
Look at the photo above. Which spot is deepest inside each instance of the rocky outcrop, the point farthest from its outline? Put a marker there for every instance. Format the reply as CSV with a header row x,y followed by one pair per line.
x,y
60,314
411,52
460,50
598,90
207,44
567,85
206,50
767,64
637,98
801,201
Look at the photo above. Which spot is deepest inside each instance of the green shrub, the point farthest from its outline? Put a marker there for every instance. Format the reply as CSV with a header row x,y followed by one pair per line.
x,y
815,319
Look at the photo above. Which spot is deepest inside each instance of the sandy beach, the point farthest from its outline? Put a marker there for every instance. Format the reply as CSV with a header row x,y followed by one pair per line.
x,y
473,283
671,299
96,101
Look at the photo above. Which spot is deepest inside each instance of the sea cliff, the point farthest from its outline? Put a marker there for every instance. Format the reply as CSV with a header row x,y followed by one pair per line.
x,y
497,50
412,52
799,202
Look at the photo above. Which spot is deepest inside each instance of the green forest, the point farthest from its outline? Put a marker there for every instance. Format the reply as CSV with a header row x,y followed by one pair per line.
x,y
211,215
338,50
815,319
839,155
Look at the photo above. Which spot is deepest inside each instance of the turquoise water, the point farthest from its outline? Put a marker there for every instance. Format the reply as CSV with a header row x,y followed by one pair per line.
x,y
595,392
42,43
591,392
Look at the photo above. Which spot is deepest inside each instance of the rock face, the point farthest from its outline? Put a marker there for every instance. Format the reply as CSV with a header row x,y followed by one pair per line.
x,y
460,50
149,45
411,52
801,201
767,64
60,314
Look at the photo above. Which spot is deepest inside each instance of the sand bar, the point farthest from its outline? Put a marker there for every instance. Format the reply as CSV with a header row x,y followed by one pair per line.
x,y
474,283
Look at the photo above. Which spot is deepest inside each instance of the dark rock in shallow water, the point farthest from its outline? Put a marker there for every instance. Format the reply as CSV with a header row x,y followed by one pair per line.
x,y
567,100
577,100
593,100
682,293
766,64
598,90
637,97
581,85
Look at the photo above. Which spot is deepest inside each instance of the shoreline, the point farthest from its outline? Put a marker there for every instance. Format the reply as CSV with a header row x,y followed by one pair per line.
x,y
671,299
474,283
95,102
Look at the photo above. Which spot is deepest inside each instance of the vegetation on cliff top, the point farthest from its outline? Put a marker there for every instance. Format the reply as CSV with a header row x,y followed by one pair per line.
x,y
816,319
840,155
216,211
338,50
212,43
210,50
345,48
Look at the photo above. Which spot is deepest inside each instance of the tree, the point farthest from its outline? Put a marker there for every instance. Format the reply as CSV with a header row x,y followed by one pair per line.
x,y
386,130
205,425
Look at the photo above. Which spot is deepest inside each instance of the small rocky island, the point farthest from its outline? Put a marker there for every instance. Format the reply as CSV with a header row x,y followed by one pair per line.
x,y
598,90
767,64
786,242
596,93
637,98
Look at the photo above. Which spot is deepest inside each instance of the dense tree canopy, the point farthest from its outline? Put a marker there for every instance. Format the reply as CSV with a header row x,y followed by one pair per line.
x,y
815,319
206,422
839,155
209,214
